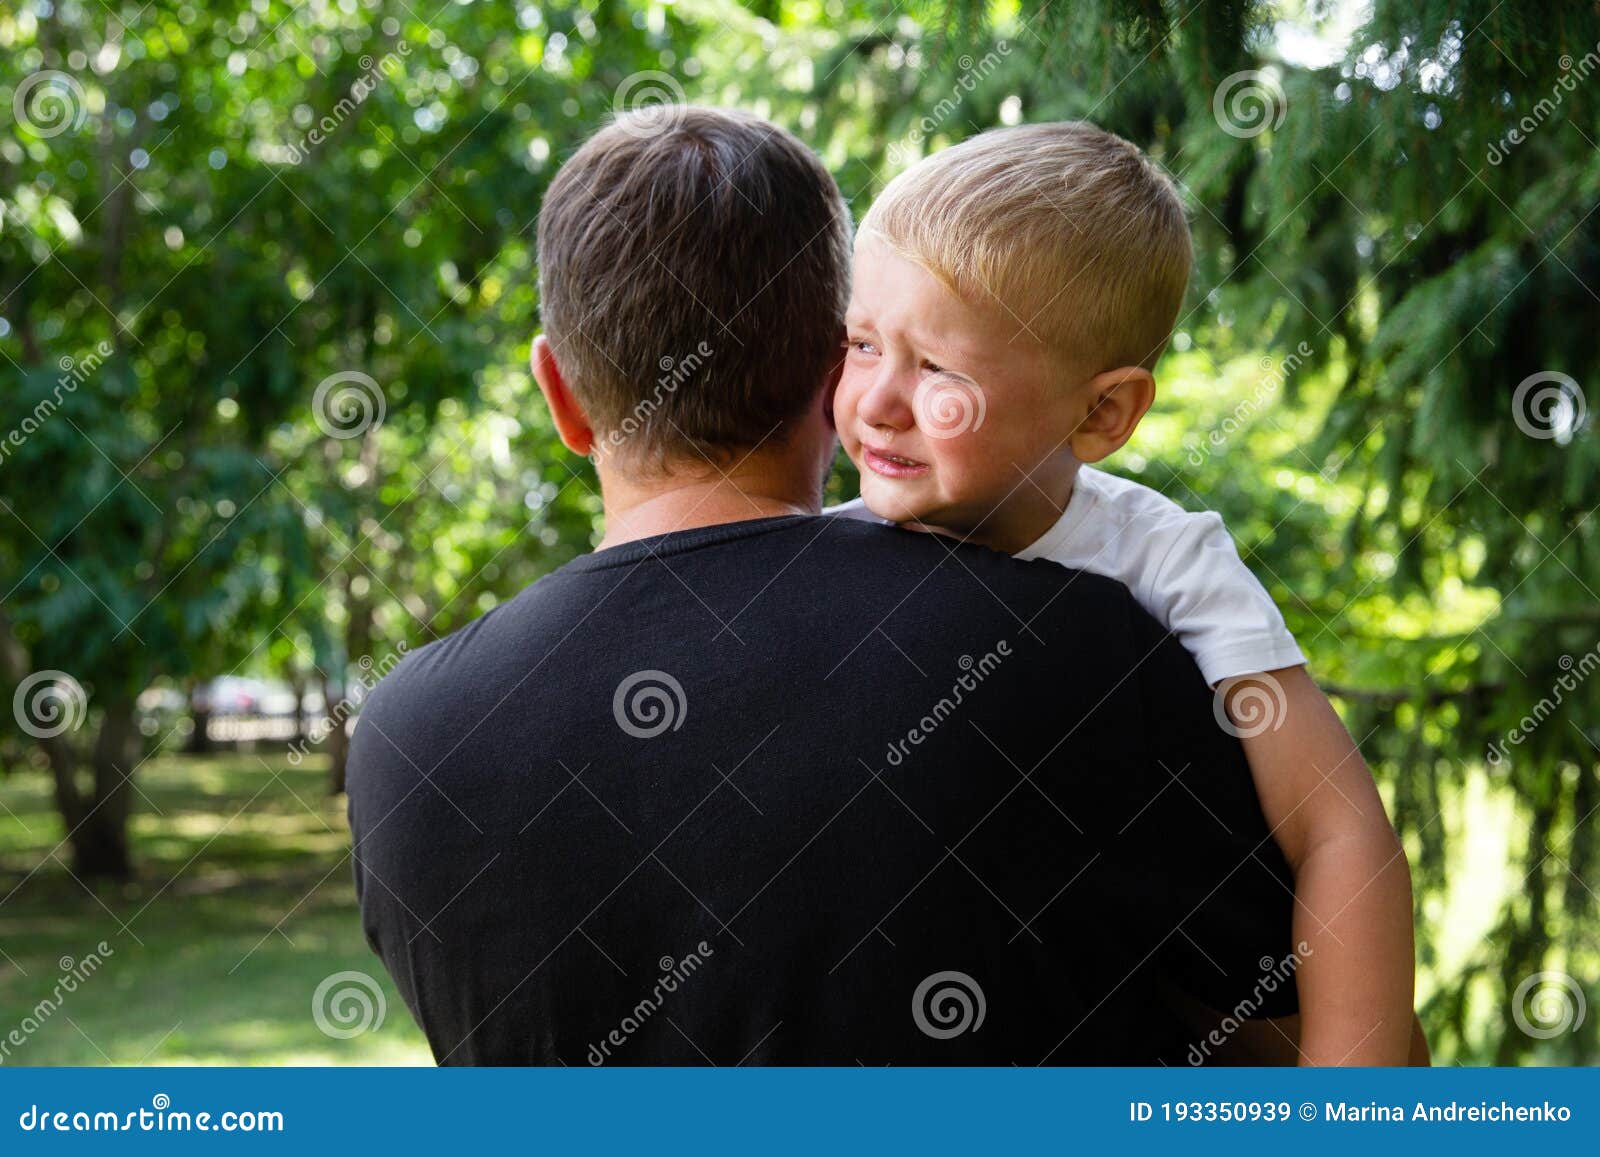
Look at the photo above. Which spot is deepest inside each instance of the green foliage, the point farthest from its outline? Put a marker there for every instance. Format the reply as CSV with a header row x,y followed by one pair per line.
x,y
1383,267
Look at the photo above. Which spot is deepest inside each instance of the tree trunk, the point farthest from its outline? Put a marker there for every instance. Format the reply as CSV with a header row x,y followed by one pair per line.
x,y
100,848
97,824
297,684
100,837
200,712
337,742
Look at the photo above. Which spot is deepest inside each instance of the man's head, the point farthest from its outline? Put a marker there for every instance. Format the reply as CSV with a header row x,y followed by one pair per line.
x,y
693,282
1012,294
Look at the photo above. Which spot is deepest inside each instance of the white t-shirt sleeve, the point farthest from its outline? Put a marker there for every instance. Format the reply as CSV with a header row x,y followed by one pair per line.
x,y
856,509
1203,593
1182,567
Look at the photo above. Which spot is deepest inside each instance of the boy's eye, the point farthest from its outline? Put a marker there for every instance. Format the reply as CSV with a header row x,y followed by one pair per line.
x,y
932,369
861,345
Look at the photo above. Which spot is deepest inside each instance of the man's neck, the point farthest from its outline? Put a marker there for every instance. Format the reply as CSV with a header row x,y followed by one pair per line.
x,y
760,486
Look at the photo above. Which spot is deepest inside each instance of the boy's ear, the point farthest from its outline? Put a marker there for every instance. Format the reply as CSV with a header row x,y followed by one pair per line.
x,y
1116,401
571,422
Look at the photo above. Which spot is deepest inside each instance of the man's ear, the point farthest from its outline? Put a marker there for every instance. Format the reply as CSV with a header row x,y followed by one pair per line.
x,y
571,422
1116,401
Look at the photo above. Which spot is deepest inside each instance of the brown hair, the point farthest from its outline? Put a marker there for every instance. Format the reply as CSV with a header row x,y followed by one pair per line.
x,y
694,270
1075,231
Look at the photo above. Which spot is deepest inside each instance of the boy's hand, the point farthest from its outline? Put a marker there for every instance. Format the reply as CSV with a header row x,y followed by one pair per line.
x,y
1352,881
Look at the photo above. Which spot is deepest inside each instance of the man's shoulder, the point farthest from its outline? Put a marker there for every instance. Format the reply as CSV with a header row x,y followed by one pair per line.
x,y
946,564
835,580
846,560
443,681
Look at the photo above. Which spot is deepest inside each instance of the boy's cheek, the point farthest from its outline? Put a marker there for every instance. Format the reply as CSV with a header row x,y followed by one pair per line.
x,y
844,414
971,466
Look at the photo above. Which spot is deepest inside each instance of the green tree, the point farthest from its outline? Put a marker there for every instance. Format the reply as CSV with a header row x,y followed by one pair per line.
x,y
218,216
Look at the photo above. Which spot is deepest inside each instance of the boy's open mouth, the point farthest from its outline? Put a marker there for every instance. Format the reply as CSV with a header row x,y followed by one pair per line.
x,y
892,465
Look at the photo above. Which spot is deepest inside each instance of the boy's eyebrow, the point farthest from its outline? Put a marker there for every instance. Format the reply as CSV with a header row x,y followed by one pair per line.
x,y
930,343
944,350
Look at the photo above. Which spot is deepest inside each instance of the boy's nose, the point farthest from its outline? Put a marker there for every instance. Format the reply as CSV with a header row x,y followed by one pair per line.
x,y
887,404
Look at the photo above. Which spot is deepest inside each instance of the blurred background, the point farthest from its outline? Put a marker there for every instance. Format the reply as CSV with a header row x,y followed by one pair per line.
x,y
267,287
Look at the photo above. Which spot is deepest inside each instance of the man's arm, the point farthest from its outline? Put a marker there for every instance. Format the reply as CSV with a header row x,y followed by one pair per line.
x,y
1352,880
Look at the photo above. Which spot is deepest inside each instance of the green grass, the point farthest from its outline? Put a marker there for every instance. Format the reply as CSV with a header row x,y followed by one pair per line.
x,y
243,904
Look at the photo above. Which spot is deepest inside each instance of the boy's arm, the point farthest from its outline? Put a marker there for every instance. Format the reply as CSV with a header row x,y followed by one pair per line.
x,y
1352,880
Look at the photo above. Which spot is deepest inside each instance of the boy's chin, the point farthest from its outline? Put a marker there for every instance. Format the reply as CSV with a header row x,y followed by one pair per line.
x,y
894,501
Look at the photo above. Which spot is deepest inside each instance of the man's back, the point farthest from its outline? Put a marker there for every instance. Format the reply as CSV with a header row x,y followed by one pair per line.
x,y
806,790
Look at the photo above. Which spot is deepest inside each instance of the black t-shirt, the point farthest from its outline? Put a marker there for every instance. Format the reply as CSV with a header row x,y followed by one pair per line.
x,y
809,790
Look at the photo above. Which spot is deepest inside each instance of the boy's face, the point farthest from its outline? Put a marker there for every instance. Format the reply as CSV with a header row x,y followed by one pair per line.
x,y
954,414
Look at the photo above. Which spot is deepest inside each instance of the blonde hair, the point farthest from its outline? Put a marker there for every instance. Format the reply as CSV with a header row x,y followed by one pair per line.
x,y
1073,230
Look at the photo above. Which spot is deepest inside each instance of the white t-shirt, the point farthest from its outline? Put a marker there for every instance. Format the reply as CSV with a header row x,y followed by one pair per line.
x,y
1182,567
